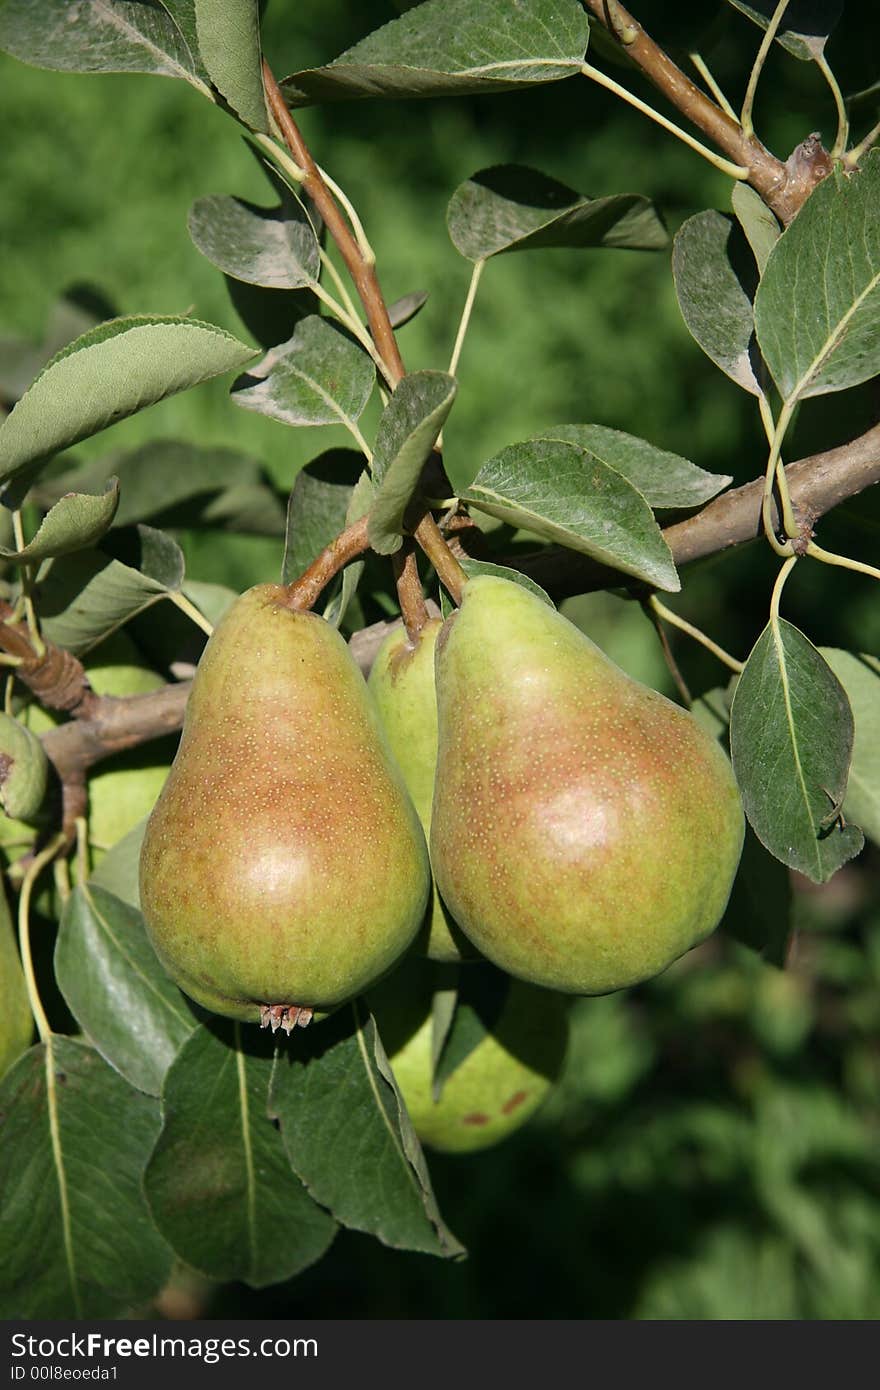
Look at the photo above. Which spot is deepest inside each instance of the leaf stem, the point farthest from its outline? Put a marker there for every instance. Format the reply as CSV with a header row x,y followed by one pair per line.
x,y
353,324
668,655
465,319
784,571
341,287
775,474
35,868
27,581
726,166
83,867
842,135
367,253
852,157
703,69
182,602
828,557
745,119
449,571
673,618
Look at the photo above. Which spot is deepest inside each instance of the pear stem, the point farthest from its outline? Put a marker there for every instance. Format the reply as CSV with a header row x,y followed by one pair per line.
x,y
449,571
667,615
409,592
303,593
668,655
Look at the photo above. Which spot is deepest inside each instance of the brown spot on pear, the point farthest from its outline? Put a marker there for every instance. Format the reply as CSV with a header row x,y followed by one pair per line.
x,y
402,684
585,830
283,864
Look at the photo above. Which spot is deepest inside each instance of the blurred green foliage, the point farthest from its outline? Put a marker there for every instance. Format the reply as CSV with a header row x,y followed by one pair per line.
x,y
713,1150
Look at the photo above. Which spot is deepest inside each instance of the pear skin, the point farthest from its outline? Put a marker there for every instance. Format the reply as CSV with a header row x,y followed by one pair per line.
x,y
585,830
402,685
505,1078
283,866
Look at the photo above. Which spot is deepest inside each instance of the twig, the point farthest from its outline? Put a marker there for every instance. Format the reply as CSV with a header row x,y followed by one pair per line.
x,y
409,591
353,541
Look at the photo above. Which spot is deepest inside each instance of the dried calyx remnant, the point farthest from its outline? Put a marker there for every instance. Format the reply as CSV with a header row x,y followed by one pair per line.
x,y
286,1016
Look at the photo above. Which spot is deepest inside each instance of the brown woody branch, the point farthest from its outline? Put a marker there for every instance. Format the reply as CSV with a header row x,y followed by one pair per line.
x,y
783,187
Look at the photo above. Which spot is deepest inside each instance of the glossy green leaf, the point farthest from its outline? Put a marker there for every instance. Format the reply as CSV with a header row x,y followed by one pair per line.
x,y
817,309
320,377
791,736
408,430
715,280
98,36
663,479
219,1183
228,34
805,25
317,508
860,677
117,990
757,221
453,47
513,208
564,494
335,1096
76,521
273,247
110,372
759,911
76,1235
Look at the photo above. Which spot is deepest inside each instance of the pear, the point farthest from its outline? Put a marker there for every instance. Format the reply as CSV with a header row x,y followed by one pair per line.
x,y
16,1021
283,867
523,1036
402,684
585,830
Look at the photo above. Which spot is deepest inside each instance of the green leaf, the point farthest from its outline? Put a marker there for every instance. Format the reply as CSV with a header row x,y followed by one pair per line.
x,y
817,309
513,208
860,677
805,25
319,377
406,308
757,221
715,281
212,600
349,1138
98,36
24,769
219,1183
76,521
443,1008
116,989
318,507
408,430
663,479
712,710
565,494
474,567
273,247
15,1009
759,911
229,41
482,994
112,371
72,314
118,871
453,46
791,735
86,596
76,1235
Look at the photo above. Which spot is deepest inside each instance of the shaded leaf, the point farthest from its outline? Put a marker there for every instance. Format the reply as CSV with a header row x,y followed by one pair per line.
x,y
212,600
319,377
219,1183
791,735
513,208
98,36
118,871
860,677
563,493
76,311
76,1234
443,1007
714,282
76,521
472,568
228,34
116,989
757,221
317,508
273,247
110,372
482,995
406,308
817,309
759,911
335,1096
408,430
15,1009
663,479
712,710
805,25
453,46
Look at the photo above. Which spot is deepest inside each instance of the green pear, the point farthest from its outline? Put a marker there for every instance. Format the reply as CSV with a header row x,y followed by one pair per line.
x,y
16,1022
402,684
523,1035
585,830
283,867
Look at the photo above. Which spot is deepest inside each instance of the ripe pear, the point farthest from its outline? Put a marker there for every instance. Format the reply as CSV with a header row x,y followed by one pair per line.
x,y
501,1082
283,867
402,684
585,830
